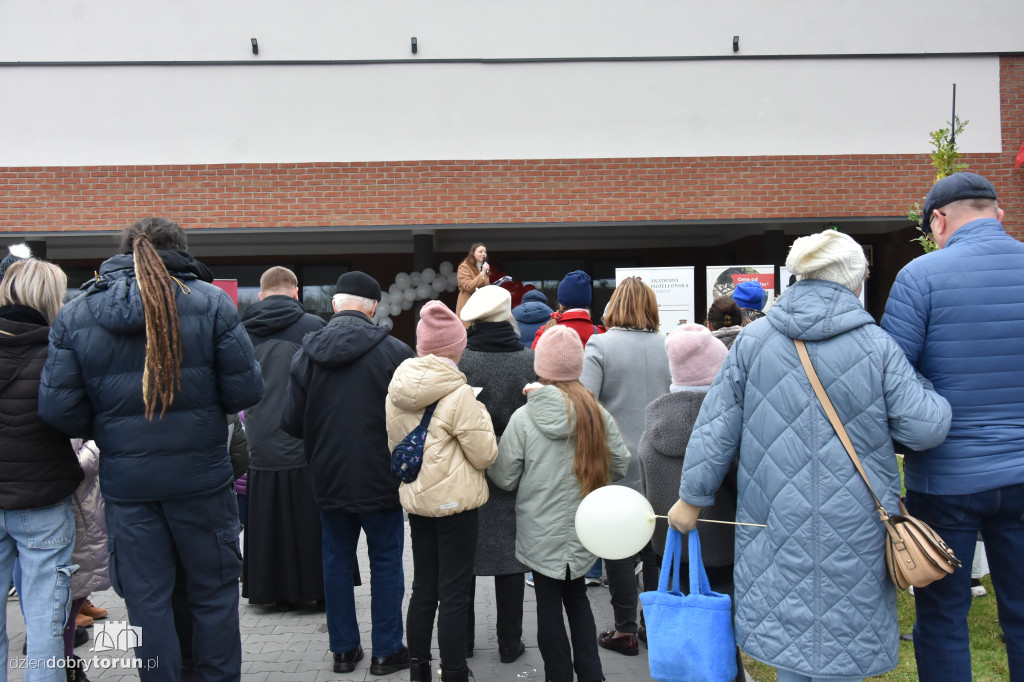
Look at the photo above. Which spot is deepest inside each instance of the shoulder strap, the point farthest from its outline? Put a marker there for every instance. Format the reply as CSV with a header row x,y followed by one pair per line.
x,y
833,417
427,414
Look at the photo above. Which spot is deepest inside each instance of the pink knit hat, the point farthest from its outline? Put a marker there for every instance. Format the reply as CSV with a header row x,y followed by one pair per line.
x,y
439,332
559,354
694,355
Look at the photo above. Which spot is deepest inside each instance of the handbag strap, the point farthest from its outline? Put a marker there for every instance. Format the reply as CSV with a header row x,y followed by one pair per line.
x,y
427,414
698,575
670,564
837,424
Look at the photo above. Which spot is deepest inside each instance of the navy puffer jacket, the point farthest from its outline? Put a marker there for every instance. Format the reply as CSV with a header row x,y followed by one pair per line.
x,y
92,383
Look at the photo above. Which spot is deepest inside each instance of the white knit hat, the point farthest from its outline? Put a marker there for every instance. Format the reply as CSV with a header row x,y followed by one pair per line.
x,y
828,255
488,304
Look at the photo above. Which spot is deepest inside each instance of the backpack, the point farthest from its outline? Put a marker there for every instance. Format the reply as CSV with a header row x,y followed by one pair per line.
x,y
407,457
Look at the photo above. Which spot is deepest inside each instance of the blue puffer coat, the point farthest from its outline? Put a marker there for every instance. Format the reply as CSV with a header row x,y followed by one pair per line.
x,y
812,592
958,314
531,315
92,383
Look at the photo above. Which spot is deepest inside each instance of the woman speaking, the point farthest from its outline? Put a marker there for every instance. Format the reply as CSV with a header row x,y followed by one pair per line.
x,y
474,272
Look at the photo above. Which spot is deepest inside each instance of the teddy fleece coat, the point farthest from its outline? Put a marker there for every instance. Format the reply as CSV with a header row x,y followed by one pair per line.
x,y
460,438
536,455
812,592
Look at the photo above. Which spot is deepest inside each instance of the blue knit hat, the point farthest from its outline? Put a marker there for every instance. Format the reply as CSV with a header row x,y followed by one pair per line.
x,y
574,290
535,295
749,295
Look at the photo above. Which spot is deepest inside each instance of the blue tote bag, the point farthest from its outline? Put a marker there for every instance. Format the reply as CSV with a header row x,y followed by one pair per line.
x,y
689,636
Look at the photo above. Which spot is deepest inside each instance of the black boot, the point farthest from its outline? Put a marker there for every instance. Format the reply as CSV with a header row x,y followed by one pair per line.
x,y
419,671
460,675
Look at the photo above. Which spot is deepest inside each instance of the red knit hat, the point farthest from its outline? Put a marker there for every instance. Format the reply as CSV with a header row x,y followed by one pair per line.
x,y
439,332
559,354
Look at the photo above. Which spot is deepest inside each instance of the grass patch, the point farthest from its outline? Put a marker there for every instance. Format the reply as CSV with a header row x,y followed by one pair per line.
x,y
988,653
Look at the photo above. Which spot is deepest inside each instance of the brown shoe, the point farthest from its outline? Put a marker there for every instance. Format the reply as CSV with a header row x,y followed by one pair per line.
x,y
93,612
624,644
83,621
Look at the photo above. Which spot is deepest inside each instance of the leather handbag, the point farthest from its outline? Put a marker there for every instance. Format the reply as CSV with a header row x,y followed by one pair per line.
x,y
689,636
914,553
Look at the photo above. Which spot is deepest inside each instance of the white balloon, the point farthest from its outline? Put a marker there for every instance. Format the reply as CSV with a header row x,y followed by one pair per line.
x,y
423,291
394,289
439,284
434,293
416,278
396,298
445,267
451,286
403,280
429,275
410,295
387,322
395,309
453,278
407,303
614,522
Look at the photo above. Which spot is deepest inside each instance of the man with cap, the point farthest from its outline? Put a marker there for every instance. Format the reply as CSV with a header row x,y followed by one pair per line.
x,y
338,385
958,315
750,297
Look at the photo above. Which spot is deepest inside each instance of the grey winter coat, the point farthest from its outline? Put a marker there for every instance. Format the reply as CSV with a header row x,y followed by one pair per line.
x,y
727,335
536,454
626,369
90,551
812,592
669,422
502,375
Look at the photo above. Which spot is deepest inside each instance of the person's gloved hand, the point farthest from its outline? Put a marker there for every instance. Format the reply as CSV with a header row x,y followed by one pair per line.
x,y
241,484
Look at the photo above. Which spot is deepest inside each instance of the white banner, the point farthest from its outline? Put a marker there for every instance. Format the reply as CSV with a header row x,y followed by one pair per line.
x,y
673,287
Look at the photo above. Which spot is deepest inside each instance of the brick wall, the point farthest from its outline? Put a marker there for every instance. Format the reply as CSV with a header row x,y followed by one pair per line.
x,y
509,191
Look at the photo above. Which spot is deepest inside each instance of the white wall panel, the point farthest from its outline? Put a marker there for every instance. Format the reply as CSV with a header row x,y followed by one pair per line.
x,y
82,30
239,114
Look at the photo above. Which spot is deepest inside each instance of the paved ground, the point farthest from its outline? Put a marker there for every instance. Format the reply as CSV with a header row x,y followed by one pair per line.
x,y
292,646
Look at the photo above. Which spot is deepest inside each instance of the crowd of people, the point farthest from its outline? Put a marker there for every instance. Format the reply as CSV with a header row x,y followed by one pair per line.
x,y
119,408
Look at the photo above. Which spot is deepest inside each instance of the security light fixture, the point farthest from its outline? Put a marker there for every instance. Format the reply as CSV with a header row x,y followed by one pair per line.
x,y
735,43
414,47
255,46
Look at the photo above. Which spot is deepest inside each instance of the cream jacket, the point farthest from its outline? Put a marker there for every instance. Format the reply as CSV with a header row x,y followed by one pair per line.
x,y
460,438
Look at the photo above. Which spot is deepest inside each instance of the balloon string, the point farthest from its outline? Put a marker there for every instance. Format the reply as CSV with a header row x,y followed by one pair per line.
x,y
730,523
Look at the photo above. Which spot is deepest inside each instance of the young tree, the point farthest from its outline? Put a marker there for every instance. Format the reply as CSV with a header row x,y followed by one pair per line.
x,y
946,160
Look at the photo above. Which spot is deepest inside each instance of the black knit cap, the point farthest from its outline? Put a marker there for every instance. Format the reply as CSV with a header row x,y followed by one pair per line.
x,y
357,283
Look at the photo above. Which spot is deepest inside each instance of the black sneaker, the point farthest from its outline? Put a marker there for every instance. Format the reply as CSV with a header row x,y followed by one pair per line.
x,y
81,636
509,654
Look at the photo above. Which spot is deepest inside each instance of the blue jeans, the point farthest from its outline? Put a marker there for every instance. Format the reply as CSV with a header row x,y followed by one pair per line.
x,y
385,539
595,570
42,540
941,640
147,540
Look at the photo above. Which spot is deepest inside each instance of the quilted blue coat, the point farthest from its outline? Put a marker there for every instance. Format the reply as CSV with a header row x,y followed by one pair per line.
x,y
812,592
92,383
957,314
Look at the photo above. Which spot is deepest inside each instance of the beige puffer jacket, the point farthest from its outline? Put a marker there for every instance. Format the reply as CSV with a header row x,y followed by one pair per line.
x,y
460,438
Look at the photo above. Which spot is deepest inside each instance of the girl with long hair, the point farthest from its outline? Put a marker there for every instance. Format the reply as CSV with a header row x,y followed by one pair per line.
x,y
556,449
626,368
474,272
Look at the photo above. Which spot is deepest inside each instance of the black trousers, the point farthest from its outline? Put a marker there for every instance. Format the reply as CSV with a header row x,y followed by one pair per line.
x,y
509,591
442,583
623,588
559,659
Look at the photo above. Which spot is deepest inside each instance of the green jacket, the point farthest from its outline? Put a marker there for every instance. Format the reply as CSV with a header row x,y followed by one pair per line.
x,y
536,454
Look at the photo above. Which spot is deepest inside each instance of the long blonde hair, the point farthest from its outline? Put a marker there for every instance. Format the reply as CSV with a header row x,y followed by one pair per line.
x,y
593,460
633,305
37,284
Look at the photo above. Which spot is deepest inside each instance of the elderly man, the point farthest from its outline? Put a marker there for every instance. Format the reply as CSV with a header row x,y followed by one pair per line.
x,y
958,314
339,380
283,564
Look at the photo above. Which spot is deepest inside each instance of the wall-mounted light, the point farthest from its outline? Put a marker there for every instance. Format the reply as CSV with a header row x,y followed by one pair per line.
x,y
255,46
735,43
414,46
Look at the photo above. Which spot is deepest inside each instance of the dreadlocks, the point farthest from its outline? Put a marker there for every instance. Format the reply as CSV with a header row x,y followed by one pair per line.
x,y
162,371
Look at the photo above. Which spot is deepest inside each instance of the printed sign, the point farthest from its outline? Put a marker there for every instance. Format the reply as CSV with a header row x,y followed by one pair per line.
x,y
673,287
722,280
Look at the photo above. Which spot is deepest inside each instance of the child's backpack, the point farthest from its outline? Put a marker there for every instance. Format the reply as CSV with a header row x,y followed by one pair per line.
x,y
407,457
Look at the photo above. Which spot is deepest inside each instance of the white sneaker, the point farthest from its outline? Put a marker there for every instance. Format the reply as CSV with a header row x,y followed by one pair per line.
x,y
910,590
529,579
978,590
592,582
